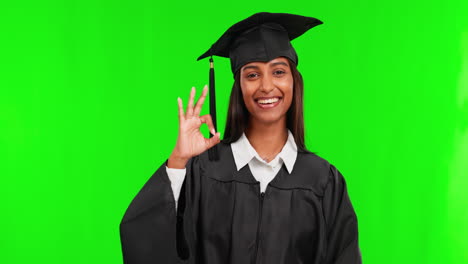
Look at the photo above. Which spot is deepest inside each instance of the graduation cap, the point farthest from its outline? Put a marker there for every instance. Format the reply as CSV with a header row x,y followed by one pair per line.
x,y
260,37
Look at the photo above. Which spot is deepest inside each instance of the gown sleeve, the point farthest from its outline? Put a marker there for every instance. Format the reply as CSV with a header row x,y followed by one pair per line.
x,y
341,222
152,230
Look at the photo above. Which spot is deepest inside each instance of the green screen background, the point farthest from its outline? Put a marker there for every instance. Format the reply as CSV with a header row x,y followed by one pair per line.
x,y
88,111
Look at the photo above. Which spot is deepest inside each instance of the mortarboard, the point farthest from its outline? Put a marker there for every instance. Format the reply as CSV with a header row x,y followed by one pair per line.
x,y
260,37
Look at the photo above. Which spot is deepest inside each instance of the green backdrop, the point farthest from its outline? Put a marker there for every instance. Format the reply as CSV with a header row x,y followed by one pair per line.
x,y
88,111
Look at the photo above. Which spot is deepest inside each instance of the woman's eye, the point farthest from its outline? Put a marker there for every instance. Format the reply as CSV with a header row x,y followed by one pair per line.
x,y
279,72
252,75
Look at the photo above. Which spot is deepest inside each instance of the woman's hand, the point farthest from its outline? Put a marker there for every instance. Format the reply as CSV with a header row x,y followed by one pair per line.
x,y
191,141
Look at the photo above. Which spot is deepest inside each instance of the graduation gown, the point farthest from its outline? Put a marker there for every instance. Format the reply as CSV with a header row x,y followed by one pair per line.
x,y
222,217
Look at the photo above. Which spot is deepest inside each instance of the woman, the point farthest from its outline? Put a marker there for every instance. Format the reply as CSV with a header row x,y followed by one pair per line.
x,y
265,199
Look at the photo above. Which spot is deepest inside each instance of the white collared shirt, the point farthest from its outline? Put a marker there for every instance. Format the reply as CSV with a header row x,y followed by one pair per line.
x,y
244,154
263,171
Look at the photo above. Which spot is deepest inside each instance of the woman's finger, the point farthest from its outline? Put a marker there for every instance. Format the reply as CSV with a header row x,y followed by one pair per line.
x,y
190,104
181,109
209,122
201,100
213,140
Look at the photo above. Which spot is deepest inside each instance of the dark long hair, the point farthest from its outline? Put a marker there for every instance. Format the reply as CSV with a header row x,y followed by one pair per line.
x,y
238,114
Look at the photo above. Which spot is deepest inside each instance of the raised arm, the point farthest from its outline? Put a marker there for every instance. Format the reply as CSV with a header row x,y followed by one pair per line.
x,y
151,231
190,141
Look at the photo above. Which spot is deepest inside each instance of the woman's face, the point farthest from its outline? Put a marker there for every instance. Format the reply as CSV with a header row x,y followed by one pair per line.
x,y
267,89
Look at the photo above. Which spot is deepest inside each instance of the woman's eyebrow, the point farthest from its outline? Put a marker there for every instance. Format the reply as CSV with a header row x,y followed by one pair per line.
x,y
271,65
278,63
250,67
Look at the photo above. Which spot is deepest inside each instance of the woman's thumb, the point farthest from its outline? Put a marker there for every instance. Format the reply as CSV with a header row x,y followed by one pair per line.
x,y
214,140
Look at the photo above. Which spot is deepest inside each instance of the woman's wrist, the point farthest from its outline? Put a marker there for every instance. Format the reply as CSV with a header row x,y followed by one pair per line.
x,y
176,162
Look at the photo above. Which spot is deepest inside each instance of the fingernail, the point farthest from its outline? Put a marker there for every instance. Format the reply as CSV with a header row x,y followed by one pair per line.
x,y
213,132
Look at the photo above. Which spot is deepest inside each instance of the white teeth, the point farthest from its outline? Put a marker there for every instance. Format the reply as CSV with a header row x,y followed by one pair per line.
x,y
268,101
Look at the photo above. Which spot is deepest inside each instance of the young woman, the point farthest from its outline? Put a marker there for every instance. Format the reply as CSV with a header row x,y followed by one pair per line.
x,y
265,199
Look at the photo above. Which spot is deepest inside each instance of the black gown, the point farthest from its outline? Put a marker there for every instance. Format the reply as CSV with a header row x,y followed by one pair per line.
x,y
222,218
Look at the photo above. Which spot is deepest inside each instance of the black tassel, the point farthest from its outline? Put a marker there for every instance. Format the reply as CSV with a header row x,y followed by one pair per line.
x,y
213,152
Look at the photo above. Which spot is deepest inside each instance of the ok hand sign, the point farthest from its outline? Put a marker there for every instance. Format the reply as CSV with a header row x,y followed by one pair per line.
x,y
191,141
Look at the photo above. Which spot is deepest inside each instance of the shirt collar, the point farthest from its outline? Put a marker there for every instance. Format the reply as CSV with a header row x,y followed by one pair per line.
x,y
243,152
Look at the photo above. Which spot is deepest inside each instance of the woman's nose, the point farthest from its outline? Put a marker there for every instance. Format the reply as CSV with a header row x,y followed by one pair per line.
x,y
267,85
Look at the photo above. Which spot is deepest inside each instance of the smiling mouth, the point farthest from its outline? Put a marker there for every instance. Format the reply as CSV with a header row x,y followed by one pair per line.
x,y
268,102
